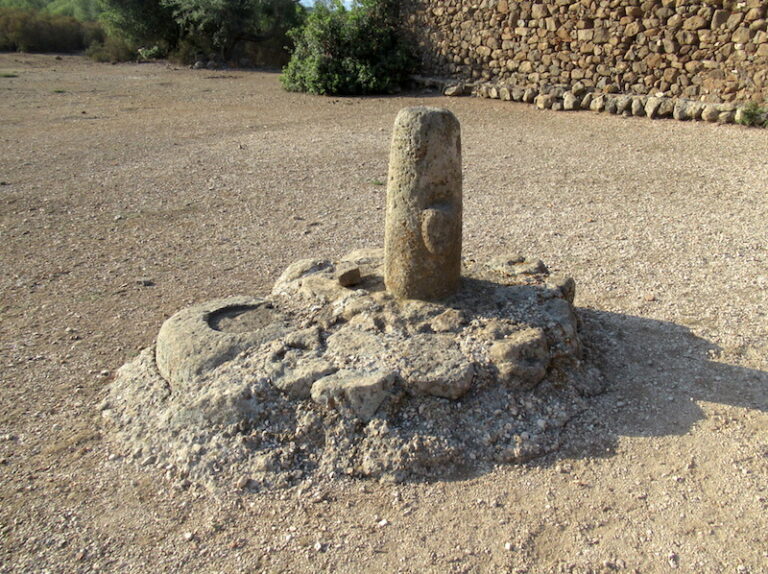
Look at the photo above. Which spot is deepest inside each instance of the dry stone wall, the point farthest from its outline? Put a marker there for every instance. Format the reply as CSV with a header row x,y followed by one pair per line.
x,y
698,50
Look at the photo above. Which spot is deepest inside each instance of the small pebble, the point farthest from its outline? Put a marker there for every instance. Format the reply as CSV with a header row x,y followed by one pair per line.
x,y
672,560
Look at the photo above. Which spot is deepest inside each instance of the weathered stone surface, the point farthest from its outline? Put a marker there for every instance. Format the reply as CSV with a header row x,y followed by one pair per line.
x,y
450,320
292,369
638,107
680,112
422,250
710,113
652,107
521,357
434,365
357,345
623,104
544,101
727,117
196,340
360,392
562,329
570,102
579,89
666,107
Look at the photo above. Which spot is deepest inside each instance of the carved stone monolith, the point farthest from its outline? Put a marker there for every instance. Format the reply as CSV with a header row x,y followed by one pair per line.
x,y
422,243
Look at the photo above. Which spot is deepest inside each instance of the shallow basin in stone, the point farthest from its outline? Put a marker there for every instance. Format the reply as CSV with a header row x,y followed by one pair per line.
x,y
242,318
197,340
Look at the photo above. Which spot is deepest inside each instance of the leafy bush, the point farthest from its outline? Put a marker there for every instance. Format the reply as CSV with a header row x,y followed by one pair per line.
x,y
29,31
752,114
347,52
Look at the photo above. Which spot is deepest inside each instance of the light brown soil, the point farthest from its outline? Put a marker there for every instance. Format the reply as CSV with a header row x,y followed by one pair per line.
x,y
129,192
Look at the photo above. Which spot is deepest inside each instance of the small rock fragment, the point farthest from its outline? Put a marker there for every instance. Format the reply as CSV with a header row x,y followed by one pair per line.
x,y
361,392
454,90
522,357
348,275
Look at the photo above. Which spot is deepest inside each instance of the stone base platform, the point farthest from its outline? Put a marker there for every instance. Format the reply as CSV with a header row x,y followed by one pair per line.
x,y
331,375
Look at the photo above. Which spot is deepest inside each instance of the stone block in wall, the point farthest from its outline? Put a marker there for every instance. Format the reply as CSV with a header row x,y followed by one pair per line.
x,y
755,14
529,95
741,35
601,35
719,18
598,103
695,23
711,113
733,21
633,29
638,106
539,11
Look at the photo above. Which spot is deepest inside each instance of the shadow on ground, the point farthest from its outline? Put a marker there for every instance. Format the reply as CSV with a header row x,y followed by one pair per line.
x,y
657,373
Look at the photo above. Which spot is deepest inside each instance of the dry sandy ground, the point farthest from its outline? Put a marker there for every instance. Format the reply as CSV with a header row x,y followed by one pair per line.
x,y
129,192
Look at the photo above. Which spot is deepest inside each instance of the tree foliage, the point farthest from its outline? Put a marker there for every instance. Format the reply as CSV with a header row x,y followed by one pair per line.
x,y
141,22
349,51
222,24
83,10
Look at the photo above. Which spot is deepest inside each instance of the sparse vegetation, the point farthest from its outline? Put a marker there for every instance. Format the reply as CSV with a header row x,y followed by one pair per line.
x,y
753,114
349,51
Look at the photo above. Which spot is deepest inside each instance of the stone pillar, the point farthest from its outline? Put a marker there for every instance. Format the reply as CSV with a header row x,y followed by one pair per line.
x,y
422,241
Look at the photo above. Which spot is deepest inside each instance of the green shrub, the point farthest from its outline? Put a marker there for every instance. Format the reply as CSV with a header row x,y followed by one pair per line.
x,y
349,52
752,114
30,31
112,49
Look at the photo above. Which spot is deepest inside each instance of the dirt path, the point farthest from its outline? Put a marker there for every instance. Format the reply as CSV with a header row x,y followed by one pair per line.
x,y
129,192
